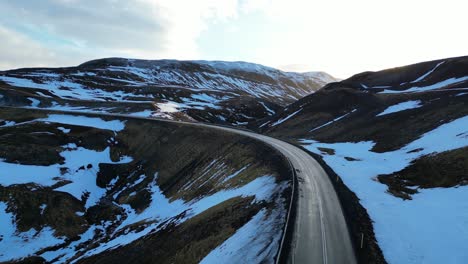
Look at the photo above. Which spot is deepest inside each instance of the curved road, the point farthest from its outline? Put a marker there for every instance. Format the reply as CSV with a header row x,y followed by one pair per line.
x,y
320,233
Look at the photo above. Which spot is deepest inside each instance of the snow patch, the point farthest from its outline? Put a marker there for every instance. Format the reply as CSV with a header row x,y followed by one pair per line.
x,y
64,130
82,171
114,125
16,245
162,209
286,118
428,73
401,107
168,107
249,244
439,85
419,238
34,102
334,120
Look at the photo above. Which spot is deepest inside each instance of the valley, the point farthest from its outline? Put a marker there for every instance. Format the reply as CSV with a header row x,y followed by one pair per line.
x,y
196,161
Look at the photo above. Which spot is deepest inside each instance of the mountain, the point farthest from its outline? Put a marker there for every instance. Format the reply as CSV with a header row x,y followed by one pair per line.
x,y
397,142
93,188
79,186
87,188
233,93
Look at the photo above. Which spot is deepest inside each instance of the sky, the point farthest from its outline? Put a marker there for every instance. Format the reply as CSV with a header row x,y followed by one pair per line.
x,y
340,37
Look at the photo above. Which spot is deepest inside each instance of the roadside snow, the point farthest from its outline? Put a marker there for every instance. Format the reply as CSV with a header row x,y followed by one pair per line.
x,y
401,107
163,209
430,228
249,244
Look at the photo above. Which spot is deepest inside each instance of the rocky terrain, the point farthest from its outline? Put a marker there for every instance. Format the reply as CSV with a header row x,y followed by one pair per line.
x,y
398,139
233,93
96,189
87,189
76,186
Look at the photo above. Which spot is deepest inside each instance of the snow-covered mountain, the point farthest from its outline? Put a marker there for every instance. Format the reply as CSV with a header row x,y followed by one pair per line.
x,y
78,188
95,189
212,91
398,139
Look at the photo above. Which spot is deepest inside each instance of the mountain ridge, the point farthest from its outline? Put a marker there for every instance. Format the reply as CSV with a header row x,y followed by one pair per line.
x,y
217,92
397,141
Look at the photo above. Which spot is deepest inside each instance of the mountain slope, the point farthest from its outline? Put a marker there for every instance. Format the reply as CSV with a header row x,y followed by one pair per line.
x,y
395,138
86,188
212,91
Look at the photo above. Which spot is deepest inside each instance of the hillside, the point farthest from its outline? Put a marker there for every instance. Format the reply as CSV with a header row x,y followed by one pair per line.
x,y
233,93
398,140
88,189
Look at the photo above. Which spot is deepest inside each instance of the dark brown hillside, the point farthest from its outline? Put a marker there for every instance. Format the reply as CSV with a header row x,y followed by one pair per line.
x,y
174,156
372,106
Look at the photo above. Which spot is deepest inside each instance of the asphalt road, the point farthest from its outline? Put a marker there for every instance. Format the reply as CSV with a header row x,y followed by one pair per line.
x,y
320,233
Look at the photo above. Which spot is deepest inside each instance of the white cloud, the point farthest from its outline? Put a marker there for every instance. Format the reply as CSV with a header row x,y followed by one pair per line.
x,y
72,31
341,37
186,19
347,37
20,51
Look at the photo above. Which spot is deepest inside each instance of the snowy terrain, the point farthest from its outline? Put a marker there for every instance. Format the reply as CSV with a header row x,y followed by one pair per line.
x,y
397,138
435,86
201,90
430,228
435,79
255,241
401,107
249,244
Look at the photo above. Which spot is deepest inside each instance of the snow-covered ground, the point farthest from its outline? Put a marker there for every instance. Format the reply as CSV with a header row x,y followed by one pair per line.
x,y
285,118
334,120
430,228
422,77
249,244
435,86
401,107
211,76
114,125
67,89
82,163
257,240
14,245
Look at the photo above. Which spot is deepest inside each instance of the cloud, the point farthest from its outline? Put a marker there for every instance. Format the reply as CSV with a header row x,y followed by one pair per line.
x,y
70,31
20,51
338,36
104,23
295,67
347,37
